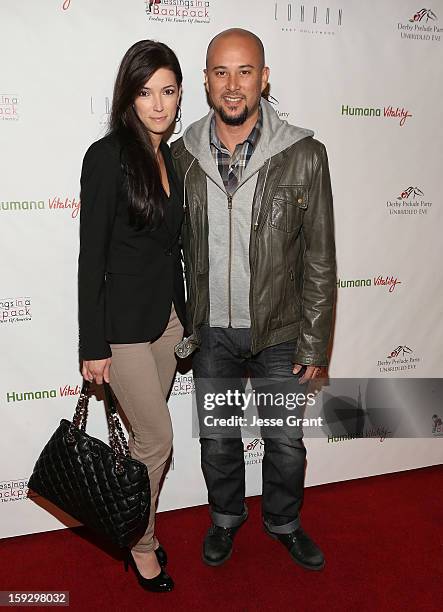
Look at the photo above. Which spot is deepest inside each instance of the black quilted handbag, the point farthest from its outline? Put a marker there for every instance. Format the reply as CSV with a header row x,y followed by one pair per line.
x,y
101,486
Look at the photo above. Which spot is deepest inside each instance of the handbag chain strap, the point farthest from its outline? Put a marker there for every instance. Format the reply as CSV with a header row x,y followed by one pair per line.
x,y
117,437
81,412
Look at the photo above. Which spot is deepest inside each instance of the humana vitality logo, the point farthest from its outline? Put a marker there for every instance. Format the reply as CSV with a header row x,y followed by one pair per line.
x,y
29,396
52,203
401,114
389,282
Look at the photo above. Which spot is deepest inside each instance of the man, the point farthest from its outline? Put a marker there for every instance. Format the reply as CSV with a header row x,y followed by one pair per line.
x,y
260,267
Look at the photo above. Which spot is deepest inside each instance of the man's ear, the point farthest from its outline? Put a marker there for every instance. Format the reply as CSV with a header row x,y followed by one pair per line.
x,y
205,72
264,78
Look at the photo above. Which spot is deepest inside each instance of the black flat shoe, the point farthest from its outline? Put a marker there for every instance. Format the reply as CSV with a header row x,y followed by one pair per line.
x,y
301,548
217,545
159,584
161,555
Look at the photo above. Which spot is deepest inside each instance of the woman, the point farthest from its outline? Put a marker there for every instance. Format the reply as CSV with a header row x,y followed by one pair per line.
x,y
131,295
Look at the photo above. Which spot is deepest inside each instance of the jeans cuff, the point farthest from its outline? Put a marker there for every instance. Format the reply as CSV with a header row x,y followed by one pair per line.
x,y
282,529
229,520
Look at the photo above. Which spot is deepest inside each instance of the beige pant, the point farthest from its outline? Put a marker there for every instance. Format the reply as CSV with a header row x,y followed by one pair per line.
x,y
141,375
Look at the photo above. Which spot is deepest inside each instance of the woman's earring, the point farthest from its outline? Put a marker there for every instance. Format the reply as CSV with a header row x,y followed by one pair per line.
x,y
178,119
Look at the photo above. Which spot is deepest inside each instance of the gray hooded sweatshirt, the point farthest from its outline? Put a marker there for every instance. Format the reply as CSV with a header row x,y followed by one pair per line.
x,y
229,220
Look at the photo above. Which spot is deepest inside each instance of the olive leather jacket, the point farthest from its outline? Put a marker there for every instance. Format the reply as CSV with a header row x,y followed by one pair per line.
x,y
291,250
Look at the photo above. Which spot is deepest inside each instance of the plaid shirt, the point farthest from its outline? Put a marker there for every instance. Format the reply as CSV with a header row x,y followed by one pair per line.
x,y
231,168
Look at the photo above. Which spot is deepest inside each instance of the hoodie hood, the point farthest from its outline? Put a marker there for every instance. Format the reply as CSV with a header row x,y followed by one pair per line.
x,y
277,135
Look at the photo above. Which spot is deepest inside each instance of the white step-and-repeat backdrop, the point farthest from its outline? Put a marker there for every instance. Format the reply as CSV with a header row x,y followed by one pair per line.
x,y
366,76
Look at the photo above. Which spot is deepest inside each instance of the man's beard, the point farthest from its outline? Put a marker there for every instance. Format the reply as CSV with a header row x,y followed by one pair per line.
x,y
233,119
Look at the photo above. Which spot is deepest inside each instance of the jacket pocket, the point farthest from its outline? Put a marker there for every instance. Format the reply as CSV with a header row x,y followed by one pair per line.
x,y
288,206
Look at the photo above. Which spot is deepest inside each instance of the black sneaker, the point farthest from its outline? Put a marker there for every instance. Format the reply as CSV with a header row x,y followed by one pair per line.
x,y
301,548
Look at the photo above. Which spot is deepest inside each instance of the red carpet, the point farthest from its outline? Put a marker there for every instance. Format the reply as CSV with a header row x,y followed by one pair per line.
x,y
382,538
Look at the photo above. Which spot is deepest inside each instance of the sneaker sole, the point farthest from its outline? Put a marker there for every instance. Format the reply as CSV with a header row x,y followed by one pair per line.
x,y
314,568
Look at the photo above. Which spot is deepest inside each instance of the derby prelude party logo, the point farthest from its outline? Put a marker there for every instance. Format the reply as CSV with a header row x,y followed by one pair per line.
x,y
253,451
178,11
272,100
400,359
410,190
409,202
423,14
437,425
308,18
421,26
400,350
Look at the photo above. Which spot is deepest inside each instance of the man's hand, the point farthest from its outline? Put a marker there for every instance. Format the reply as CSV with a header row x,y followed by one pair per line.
x,y
96,369
311,372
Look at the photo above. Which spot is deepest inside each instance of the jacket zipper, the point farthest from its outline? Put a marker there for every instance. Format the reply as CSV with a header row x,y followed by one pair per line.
x,y
229,197
193,231
230,260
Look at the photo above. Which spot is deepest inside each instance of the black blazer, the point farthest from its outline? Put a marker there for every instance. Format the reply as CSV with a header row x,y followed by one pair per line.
x,y
127,278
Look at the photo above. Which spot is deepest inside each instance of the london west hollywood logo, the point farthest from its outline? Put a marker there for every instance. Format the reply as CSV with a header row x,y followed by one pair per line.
x,y
101,109
307,18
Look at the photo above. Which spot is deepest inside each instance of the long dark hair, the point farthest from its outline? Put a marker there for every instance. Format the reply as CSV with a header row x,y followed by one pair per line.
x,y
140,62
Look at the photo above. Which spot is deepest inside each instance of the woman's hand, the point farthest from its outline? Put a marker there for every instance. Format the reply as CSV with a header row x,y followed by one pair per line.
x,y
96,369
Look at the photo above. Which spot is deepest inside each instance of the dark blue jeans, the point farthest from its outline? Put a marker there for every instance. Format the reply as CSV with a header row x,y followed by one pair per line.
x,y
225,358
